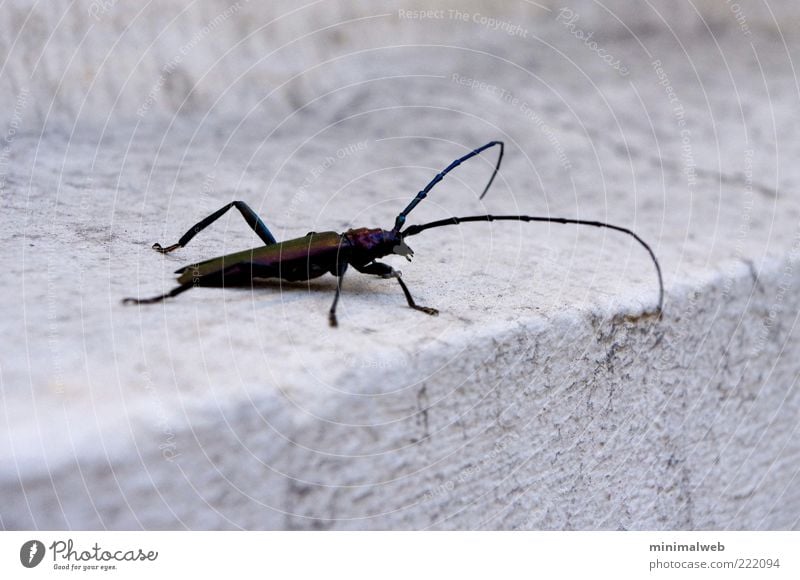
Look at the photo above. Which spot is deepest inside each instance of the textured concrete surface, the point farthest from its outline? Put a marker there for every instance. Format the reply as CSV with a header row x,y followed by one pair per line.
x,y
542,397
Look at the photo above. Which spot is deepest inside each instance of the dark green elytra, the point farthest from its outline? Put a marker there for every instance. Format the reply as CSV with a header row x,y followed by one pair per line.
x,y
303,258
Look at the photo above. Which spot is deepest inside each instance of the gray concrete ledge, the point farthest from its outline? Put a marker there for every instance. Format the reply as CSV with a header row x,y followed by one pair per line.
x,y
542,397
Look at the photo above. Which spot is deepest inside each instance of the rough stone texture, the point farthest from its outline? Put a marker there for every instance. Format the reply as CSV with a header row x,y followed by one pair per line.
x,y
543,396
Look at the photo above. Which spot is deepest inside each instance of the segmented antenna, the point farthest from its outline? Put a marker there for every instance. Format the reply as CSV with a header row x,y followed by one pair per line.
x,y
414,230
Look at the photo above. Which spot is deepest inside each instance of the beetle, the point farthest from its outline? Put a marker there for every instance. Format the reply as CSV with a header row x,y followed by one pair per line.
x,y
319,253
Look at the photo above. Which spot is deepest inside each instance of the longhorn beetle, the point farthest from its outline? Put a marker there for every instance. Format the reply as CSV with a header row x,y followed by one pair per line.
x,y
315,253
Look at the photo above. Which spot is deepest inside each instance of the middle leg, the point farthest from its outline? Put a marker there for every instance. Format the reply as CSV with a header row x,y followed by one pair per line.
x,y
332,314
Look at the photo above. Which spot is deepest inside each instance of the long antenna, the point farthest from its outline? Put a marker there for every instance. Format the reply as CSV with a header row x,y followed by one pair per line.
x,y
401,218
414,230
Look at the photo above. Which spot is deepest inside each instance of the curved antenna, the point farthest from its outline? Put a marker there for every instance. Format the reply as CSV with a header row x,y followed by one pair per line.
x,y
401,218
414,230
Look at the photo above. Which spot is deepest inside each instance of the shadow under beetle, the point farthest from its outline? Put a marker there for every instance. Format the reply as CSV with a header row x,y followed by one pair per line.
x,y
318,253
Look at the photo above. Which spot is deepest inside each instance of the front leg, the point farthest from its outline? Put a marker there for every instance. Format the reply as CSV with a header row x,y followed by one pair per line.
x,y
386,271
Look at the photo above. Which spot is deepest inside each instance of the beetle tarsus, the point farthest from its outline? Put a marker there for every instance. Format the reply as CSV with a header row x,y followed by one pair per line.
x,y
410,300
144,300
159,248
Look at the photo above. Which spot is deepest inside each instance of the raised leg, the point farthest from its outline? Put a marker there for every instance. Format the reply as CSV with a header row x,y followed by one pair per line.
x,y
401,219
386,271
248,214
332,314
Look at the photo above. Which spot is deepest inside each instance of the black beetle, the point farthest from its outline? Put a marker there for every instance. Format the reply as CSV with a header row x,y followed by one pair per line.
x,y
316,254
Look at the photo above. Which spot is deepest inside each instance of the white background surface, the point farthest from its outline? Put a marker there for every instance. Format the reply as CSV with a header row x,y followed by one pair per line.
x,y
539,399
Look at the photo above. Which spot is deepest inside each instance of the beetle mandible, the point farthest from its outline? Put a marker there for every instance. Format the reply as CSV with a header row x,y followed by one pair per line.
x,y
316,254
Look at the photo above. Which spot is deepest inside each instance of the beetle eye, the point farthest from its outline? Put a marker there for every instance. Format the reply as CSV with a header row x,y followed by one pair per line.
x,y
403,250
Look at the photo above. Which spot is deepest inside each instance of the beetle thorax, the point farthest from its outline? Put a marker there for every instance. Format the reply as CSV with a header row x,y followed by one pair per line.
x,y
369,244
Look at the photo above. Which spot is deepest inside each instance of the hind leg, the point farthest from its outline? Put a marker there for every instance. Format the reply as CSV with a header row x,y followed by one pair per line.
x,y
248,214
234,275
170,294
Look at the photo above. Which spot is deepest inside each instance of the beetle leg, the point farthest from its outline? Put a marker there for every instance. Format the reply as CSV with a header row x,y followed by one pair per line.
x,y
234,275
248,214
386,271
332,314
170,294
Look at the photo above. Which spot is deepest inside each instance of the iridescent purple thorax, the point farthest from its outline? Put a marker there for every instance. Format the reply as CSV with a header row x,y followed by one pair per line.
x,y
368,244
